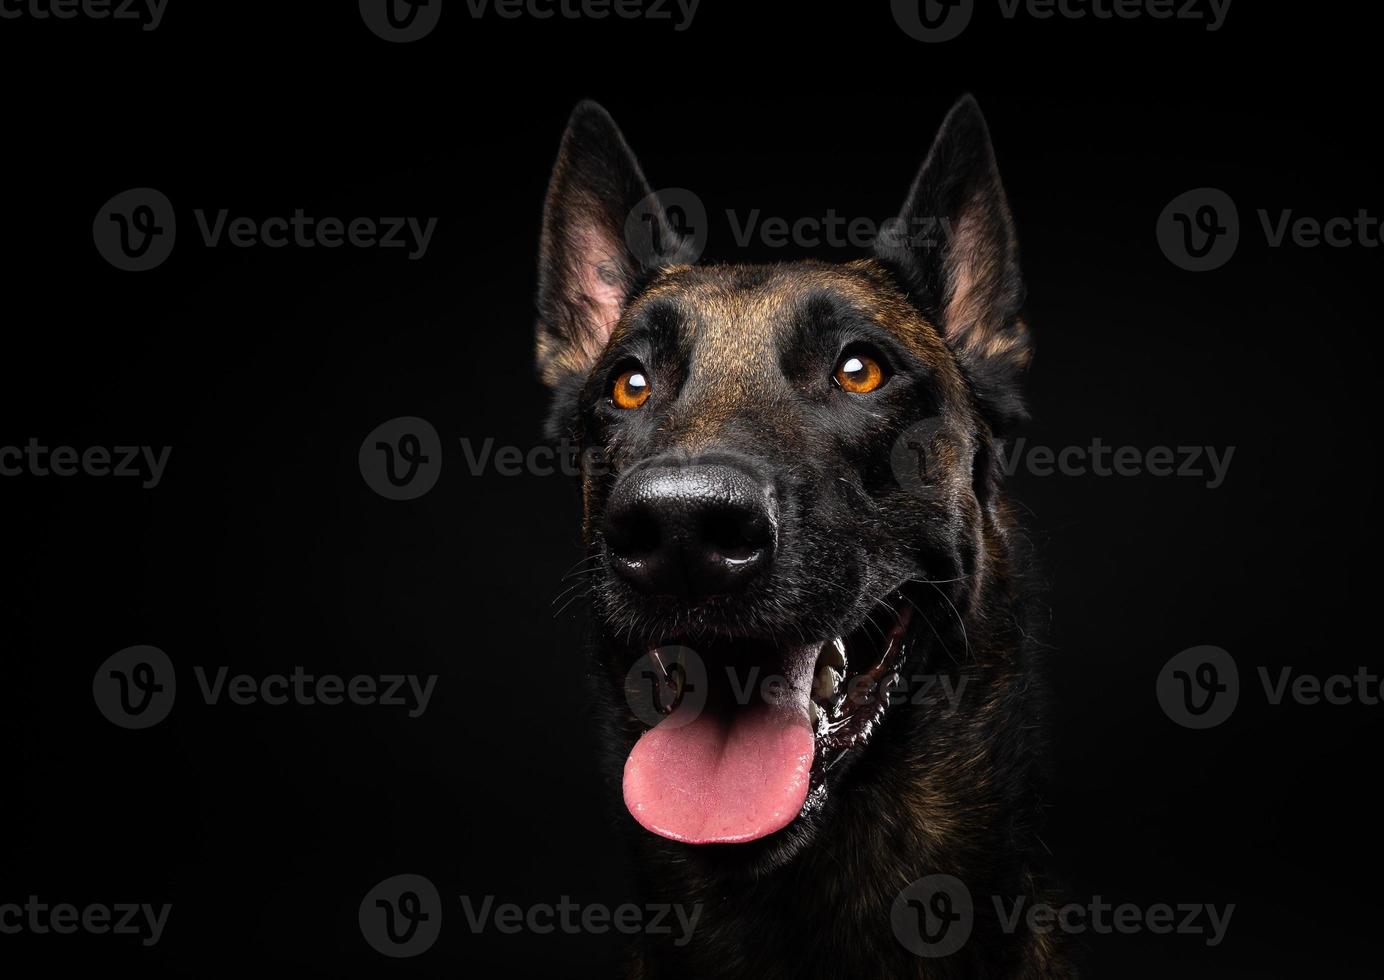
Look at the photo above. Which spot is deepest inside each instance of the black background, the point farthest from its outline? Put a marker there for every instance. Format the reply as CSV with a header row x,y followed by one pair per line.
x,y
263,549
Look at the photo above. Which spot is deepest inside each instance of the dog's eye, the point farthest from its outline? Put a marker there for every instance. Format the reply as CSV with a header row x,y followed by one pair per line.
x,y
859,373
631,389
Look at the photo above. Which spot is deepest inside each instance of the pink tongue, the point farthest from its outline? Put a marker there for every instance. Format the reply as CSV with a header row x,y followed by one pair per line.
x,y
722,779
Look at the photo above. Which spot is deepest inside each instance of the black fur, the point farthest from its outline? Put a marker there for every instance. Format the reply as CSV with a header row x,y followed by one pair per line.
x,y
741,360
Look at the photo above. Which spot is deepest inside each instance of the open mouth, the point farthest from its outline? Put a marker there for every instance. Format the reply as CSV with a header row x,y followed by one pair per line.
x,y
750,731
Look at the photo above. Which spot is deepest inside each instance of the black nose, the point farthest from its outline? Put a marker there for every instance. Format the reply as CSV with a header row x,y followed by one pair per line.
x,y
698,530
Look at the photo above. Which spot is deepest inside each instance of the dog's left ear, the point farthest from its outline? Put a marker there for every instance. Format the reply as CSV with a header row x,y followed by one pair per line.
x,y
603,233
955,248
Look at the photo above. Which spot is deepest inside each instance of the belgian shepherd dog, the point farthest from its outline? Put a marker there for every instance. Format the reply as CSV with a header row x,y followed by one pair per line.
x,y
795,530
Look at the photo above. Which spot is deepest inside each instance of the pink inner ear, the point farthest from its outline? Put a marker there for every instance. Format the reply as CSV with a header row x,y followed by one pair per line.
x,y
600,284
967,272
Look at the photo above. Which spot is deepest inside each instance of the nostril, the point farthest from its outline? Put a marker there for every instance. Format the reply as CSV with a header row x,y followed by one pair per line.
x,y
736,534
636,534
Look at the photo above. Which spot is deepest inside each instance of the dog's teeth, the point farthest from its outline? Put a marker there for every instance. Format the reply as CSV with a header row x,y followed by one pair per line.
x,y
813,714
825,683
834,653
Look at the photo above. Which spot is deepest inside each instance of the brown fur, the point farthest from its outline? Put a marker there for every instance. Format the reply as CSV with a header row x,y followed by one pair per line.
x,y
740,358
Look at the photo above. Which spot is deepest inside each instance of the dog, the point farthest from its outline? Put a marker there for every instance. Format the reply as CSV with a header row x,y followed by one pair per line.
x,y
797,543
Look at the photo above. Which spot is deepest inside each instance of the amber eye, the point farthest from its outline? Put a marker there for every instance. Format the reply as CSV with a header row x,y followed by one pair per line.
x,y
859,374
631,389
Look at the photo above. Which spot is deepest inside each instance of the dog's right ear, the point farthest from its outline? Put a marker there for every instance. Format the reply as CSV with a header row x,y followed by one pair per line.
x,y
599,223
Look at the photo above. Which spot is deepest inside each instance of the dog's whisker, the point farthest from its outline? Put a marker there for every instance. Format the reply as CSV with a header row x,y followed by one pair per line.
x,y
870,621
939,581
568,603
561,595
576,570
583,560
961,623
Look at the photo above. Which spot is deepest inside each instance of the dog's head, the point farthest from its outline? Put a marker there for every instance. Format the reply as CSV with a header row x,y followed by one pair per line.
x,y
793,481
